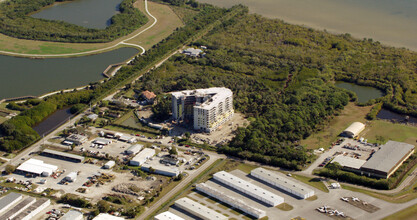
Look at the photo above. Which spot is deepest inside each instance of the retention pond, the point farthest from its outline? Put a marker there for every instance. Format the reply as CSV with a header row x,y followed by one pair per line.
x,y
364,93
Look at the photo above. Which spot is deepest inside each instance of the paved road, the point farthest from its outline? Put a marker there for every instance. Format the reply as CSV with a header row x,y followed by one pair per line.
x,y
123,42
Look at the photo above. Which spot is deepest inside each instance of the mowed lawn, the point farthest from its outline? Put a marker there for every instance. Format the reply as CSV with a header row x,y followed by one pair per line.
x,y
409,213
390,131
330,132
168,21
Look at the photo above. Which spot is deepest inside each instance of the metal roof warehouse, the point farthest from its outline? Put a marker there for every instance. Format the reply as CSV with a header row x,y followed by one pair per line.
x,y
63,155
349,163
37,167
198,210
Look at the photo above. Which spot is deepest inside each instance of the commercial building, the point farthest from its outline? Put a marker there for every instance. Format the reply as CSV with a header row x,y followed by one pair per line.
x,y
110,164
353,130
127,138
36,167
105,216
77,139
170,159
30,212
63,155
161,169
387,159
134,149
234,202
167,216
9,200
72,215
198,210
206,109
142,157
17,209
281,182
248,188
349,163
102,141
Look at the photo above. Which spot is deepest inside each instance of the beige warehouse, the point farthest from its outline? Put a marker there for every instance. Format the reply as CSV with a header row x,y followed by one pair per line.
x,y
353,130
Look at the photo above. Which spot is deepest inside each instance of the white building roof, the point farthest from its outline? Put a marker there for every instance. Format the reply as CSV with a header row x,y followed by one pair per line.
x,y
72,215
218,94
134,149
199,210
71,176
105,216
349,162
37,167
168,216
281,180
161,167
110,163
10,198
248,188
102,141
144,155
355,128
192,51
92,116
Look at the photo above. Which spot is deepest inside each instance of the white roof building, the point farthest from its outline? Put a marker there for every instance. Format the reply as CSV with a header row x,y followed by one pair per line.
x,y
282,182
248,188
234,202
348,162
192,52
105,216
102,141
142,157
9,200
72,215
134,149
37,167
167,216
354,129
110,164
198,210
71,176
127,138
161,169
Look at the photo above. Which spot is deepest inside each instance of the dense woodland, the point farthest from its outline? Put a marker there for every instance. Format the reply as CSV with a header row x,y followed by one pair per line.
x,y
16,22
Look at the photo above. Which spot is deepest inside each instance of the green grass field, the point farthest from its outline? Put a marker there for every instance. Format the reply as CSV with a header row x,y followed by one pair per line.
x,y
409,213
390,131
314,182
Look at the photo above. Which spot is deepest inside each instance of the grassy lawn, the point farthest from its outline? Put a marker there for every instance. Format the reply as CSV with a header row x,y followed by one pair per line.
x,y
409,213
247,168
314,182
312,198
168,21
390,131
330,132
284,206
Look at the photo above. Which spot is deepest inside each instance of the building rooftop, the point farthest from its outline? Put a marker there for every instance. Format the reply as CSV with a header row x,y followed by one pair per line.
x,y
37,167
9,198
349,162
144,155
161,167
196,208
105,216
32,208
216,95
71,214
192,51
168,216
148,95
18,208
388,156
134,148
282,180
63,154
76,137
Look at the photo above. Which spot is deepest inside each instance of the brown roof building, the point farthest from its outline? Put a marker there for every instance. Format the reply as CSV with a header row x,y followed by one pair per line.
x,y
149,96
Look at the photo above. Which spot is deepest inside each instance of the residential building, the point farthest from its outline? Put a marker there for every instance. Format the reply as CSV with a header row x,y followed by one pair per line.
x,y
148,96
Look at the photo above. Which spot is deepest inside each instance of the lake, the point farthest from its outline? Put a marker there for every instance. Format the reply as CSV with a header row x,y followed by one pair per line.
x,y
86,13
364,93
24,76
392,22
392,116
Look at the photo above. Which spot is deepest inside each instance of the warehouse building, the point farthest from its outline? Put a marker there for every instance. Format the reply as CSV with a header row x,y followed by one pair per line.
x,y
127,138
110,164
9,200
34,209
63,156
134,149
349,163
234,202
19,208
248,188
72,215
102,141
282,182
161,169
105,216
142,157
353,130
198,210
387,159
167,216
36,167
76,139
71,177
207,109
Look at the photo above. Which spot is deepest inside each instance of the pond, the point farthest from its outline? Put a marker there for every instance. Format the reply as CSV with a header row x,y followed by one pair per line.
x,y
392,116
86,13
364,93
24,76
53,121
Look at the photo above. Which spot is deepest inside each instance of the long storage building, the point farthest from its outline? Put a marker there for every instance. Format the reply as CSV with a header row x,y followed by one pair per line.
x,y
161,169
167,216
142,157
353,130
134,149
9,200
34,209
234,202
198,210
248,188
282,182
63,155
36,167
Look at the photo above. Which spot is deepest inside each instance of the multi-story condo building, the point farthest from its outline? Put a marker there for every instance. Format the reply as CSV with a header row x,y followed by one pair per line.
x,y
207,109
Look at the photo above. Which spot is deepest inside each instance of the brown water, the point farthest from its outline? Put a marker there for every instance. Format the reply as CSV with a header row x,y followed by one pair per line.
x,y
392,22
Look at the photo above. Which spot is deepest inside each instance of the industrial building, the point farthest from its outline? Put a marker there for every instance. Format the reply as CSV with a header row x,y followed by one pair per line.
x,y
105,216
206,109
161,169
72,215
127,138
33,209
142,157
167,216
110,164
134,149
102,141
198,210
248,188
387,159
36,167
283,183
349,163
71,177
62,155
9,200
353,130
77,139
235,203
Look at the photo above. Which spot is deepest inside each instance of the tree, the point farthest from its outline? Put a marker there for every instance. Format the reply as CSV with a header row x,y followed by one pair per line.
x,y
103,206
380,139
173,151
179,177
10,169
73,146
187,135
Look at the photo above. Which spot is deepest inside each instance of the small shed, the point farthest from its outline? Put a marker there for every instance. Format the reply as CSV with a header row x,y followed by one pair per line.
x,y
110,164
71,177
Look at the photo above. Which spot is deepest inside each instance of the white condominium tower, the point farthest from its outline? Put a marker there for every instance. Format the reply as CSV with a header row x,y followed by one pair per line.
x,y
206,108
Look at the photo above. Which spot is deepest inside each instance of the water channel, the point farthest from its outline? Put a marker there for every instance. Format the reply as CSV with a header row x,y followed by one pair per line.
x,y
86,13
364,93
53,121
